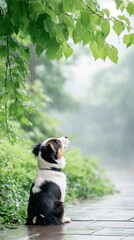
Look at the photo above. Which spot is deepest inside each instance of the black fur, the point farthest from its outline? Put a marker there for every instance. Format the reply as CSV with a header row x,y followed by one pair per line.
x,y
36,149
48,154
45,205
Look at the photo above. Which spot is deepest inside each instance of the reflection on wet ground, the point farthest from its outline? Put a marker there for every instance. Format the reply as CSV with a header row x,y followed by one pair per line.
x,y
107,218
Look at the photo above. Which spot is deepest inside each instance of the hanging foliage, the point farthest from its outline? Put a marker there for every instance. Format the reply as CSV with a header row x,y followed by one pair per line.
x,y
49,25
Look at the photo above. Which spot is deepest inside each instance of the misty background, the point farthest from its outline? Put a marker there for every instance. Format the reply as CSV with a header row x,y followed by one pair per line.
x,y
92,102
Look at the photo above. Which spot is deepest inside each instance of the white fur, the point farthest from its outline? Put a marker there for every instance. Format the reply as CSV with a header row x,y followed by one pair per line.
x,y
61,162
66,219
64,141
47,175
34,220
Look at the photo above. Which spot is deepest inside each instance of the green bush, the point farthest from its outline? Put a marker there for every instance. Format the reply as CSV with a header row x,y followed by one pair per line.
x,y
18,169
85,177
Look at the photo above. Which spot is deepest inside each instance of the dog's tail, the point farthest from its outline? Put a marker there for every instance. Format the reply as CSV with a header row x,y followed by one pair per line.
x,y
39,220
53,218
46,221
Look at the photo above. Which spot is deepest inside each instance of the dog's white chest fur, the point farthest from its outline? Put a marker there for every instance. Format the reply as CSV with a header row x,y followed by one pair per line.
x,y
49,175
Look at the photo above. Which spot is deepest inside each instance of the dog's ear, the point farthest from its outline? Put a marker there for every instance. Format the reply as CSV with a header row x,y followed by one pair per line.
x,y
51,148
55,155
36,149
48,153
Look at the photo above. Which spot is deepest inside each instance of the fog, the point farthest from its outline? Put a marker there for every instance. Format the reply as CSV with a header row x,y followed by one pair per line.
x,y
93,102
102,125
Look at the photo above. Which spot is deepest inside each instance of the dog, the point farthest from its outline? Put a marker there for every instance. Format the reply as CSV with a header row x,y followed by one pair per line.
x,y
47,193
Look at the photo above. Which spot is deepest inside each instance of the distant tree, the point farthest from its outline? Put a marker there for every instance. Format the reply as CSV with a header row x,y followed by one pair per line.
x,y
118,106
42,124
53,80
109,124
49,25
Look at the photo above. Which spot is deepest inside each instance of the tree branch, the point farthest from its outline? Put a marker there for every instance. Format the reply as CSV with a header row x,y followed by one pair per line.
x,y
8,63
97,14
6,79
100,16
8,59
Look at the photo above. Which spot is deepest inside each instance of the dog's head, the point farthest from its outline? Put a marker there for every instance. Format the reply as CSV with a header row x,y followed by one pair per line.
x,y
49,153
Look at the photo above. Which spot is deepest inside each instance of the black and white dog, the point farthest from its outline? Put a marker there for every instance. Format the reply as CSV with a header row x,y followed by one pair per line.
x,y
47,194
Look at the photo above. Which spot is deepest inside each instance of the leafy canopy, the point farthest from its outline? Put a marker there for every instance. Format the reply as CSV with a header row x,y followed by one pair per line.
x,y
50,25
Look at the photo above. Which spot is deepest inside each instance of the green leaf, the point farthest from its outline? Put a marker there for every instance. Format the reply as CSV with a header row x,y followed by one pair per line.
x,y
111,52
52,49
9,87
20,110
118,27
126,20
69,6
12,109
67,50
94,49
102,53
2,117
42,42
122,17
107,12
6,26
87,37
3,51
4,98
26,121
78,31
30,108
128,39
85,19
120,4
17,11
105,26
64,30
35,8
130,8
98,52
48,24
17,85
25,54
100,39
60,38
2,82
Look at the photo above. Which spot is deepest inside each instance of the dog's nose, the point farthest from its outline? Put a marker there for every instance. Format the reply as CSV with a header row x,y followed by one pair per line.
x,y
66,137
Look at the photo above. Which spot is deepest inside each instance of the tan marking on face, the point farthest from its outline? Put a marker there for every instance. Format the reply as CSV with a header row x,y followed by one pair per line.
x,y
60,151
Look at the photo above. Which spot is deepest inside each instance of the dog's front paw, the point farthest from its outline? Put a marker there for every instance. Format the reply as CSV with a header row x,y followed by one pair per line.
x,y
66,220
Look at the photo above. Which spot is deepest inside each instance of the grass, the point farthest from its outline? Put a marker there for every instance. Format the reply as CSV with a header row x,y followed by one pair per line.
x,y
18,169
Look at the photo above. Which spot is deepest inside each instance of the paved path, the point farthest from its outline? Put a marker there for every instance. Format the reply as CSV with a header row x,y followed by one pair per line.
x,y
108,218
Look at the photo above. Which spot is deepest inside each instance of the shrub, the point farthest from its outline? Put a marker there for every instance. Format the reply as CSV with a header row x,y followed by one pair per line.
x,y
18,169
85,177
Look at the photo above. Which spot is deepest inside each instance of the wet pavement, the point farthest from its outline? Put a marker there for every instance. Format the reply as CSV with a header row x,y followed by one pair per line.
x,y
107,218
